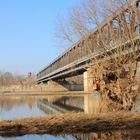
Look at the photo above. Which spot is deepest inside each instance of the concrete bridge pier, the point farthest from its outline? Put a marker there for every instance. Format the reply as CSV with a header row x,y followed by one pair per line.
x,y
88,81
90,104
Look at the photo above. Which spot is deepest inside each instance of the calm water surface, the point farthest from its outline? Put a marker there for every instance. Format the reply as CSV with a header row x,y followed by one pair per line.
x,y
20,107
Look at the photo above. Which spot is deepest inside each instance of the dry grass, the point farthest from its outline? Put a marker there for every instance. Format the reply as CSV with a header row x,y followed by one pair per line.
x,y
70,124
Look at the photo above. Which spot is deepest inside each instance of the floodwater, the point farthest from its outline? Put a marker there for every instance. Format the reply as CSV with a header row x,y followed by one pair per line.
x,y
20,107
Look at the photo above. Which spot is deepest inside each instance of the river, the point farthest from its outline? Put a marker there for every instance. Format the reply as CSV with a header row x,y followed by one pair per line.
x,y
17,107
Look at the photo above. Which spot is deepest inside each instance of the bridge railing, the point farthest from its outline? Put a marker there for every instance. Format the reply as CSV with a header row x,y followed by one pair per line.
x,y
121,26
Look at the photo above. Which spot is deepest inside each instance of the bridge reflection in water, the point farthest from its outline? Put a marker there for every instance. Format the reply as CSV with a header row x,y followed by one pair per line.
x,y
65,105
61,105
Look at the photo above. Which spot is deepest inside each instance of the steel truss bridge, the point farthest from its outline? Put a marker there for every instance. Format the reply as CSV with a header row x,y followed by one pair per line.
x,y
120,29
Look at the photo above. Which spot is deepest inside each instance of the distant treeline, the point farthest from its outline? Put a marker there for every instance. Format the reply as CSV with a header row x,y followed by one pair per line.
x,y
7,79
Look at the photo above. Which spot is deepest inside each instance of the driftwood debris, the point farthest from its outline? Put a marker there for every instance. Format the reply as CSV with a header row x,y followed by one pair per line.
x,y
70,123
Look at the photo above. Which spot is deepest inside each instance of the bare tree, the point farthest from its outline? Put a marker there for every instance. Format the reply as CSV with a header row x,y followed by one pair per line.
x,y
114,42
84,18
8,79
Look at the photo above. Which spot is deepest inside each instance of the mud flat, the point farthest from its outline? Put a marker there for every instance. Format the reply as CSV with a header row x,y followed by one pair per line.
x,y
70,124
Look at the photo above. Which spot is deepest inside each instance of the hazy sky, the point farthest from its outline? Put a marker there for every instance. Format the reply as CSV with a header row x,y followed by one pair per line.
x,y
27,28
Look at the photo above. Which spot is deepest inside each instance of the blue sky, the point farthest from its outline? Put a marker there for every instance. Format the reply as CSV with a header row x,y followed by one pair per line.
x,y
27,33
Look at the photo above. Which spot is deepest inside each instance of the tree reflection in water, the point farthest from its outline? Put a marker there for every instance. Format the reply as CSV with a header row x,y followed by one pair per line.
x,y
7,103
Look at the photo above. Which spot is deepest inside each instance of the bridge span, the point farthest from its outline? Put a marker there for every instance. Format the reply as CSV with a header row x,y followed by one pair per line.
x,y
117,30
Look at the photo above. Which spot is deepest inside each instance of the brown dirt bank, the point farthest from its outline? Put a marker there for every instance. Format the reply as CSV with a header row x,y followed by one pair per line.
x,y
70,123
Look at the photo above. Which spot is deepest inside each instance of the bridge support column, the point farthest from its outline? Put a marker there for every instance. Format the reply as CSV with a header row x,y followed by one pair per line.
x,y
88,81
90,104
